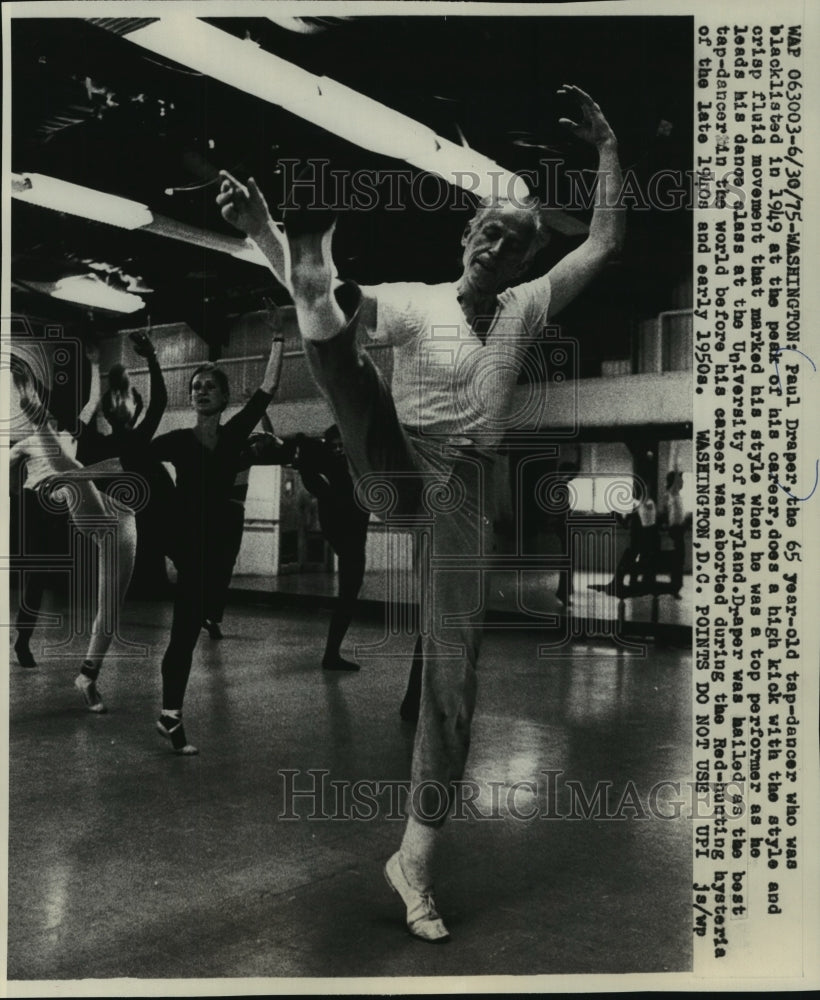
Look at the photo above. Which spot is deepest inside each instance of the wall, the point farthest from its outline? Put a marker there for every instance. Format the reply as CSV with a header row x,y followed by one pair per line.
x,y
621,401
298,407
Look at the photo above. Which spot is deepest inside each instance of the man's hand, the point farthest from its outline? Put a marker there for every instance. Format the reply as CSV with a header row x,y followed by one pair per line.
x,y
92,352
142,344
244,207
595,128
606,230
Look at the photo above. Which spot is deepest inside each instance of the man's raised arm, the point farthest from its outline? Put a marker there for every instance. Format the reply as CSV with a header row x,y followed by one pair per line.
x,y
606,231
246,209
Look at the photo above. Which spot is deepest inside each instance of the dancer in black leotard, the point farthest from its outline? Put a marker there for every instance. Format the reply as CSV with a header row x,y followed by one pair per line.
x,y
230,543
207,458
343,521
121,406
323,468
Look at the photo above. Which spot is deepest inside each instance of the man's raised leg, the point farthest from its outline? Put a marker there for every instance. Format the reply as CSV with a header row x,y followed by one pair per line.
x,y
312,276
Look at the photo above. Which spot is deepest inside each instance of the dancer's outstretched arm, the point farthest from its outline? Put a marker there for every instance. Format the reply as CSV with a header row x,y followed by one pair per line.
x,y
92,352
159,394
606,231
273,369
17,456
241,424
246,209
244,206
106,467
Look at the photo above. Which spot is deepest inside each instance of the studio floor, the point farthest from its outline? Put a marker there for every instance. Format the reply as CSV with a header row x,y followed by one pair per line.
x,y
127,861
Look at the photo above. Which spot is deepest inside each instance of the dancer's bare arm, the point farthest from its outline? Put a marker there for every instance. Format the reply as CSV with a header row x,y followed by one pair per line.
x,y
107,467
606,231
17,456
244,206
273,372
273,369
92,352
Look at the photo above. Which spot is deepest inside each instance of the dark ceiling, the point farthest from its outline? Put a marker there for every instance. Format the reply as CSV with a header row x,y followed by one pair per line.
x,y
89,106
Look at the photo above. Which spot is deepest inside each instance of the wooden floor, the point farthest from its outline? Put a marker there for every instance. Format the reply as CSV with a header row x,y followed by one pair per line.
x,y
127,861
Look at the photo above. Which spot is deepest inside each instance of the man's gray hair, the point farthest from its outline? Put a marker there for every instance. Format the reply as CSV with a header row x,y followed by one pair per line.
x,y
532,205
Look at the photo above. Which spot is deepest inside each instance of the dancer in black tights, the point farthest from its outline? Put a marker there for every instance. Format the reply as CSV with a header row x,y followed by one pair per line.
x,y
229,542
207,458
343,521
639,559
323,468
121,406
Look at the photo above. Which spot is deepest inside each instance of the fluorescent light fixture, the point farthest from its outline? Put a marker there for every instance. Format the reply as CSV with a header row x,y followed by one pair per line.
x,y
328,104
237,62
89,290
306,25
251,254
61,196
74,199
367,123
297,24
175,230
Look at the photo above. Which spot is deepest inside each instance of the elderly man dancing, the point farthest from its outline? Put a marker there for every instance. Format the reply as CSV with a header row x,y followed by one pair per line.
x,y
458,348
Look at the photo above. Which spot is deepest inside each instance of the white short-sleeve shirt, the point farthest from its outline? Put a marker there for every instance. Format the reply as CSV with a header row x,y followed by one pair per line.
x,y
445,381
39,455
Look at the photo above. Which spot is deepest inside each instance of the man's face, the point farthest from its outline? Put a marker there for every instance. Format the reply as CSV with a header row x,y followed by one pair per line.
x,y
498,245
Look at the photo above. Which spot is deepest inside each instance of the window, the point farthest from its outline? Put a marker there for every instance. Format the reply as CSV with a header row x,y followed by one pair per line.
x,y
602,494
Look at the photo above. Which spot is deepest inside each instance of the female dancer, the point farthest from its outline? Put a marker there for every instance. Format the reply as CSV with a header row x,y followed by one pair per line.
x,y
207,458
323,467
121,406
230,542
54,472
44,532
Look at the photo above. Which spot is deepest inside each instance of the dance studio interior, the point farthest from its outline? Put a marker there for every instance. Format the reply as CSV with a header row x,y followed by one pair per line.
x,y
262,855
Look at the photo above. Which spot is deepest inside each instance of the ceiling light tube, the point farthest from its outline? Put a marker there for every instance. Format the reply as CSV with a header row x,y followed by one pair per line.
x,y
175,230
74,199
297,24
88,290
328,104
